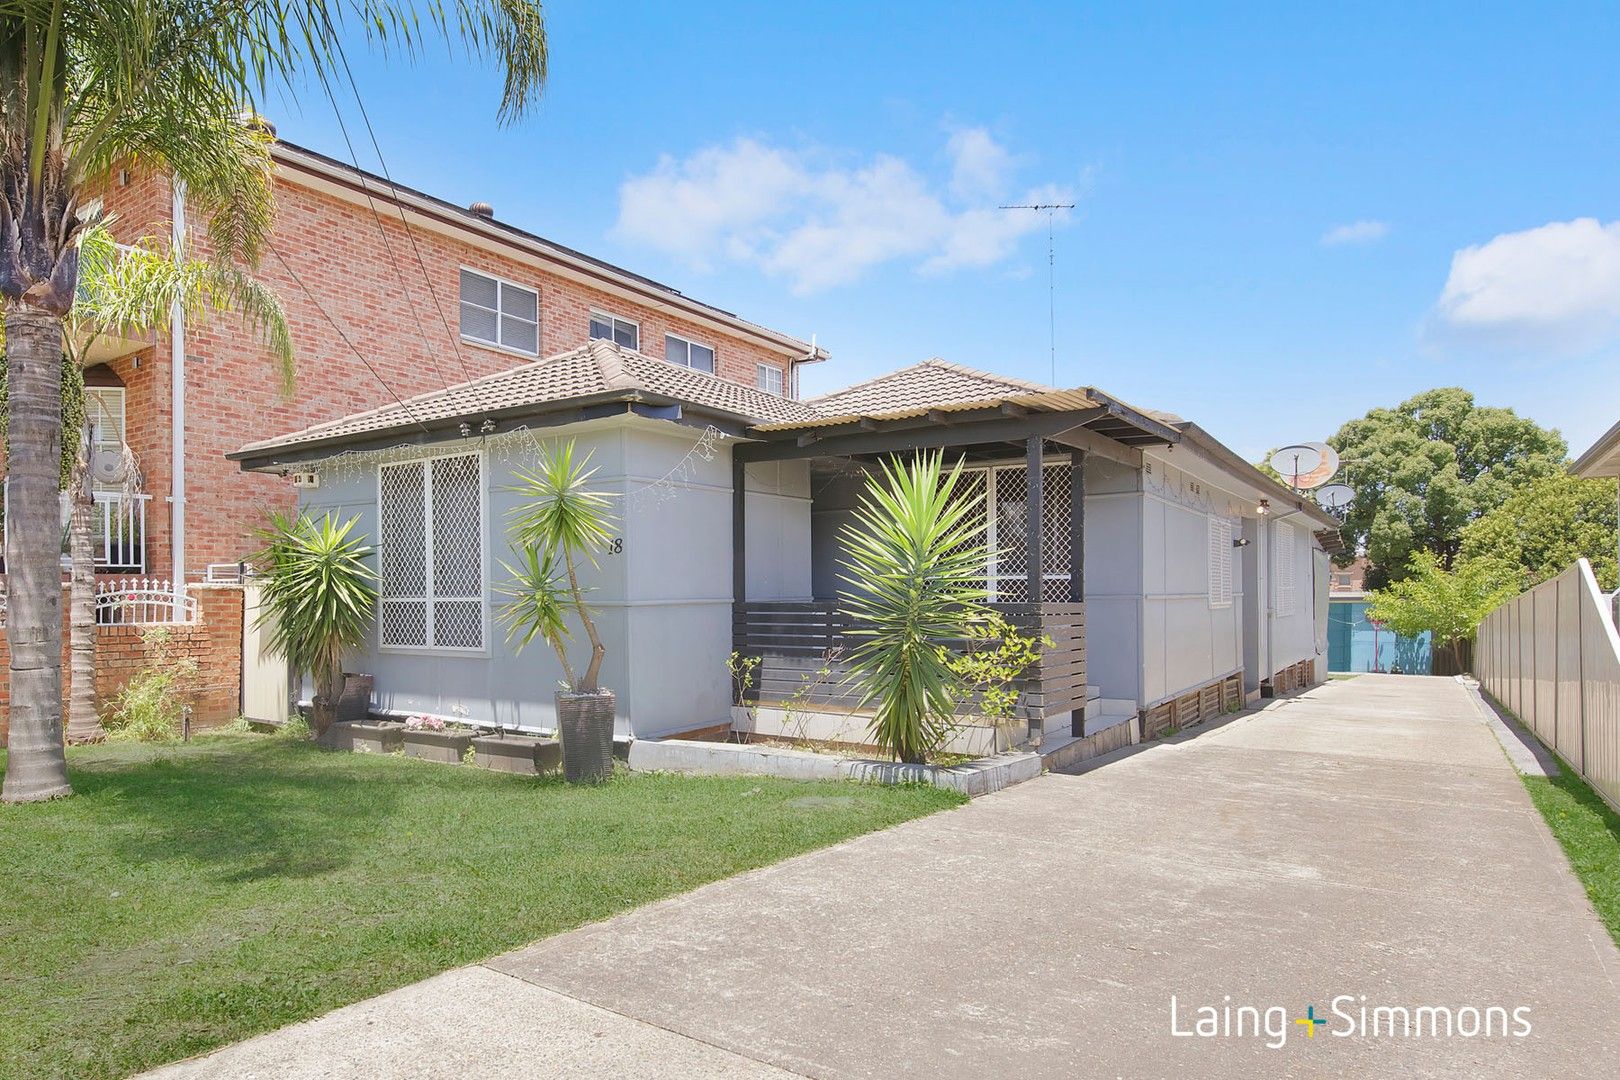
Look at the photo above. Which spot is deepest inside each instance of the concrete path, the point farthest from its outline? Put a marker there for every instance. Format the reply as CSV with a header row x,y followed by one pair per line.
x,y
1366,838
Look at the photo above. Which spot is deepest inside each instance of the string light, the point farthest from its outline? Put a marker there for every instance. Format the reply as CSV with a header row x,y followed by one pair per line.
x,y
523,446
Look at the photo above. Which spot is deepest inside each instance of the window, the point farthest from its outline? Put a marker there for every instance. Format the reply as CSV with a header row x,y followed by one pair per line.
x,y
1004,490
615,329
499,313
104,409
677,350
1284,555
769,378
1220,562
430,547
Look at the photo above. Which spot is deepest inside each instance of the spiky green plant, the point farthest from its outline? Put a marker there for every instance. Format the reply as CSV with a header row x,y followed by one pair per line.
x,y
914,560
538,606
317,600
560,521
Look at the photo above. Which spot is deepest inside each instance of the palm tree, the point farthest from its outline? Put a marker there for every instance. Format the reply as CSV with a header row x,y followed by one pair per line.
x,y
86,85
317,602
914,559
127,292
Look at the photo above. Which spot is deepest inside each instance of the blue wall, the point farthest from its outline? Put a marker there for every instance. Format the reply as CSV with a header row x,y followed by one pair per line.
x,y
1354,644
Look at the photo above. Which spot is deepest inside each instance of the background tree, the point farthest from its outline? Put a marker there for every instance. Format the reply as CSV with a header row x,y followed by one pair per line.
x,y
1541,529
1426,468
1449,604
86,85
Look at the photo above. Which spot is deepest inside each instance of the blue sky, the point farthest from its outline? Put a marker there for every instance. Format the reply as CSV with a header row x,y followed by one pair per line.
x,y
1284,218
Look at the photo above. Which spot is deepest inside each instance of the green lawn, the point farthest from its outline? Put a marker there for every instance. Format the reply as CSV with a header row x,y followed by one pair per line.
x,y
192,896
1589,833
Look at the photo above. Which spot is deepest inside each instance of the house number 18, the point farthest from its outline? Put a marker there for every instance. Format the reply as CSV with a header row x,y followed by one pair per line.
x,y
616,546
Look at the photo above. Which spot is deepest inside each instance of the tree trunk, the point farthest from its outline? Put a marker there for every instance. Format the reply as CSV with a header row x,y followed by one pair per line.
x,y
36,768
83,724
324,702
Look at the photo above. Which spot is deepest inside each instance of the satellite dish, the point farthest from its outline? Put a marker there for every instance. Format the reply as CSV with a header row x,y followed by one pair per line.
x,y
1297,460
108,466
1324,472
1335,498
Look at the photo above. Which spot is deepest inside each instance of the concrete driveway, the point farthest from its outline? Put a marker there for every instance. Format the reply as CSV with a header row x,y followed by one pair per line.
x,y
1366,838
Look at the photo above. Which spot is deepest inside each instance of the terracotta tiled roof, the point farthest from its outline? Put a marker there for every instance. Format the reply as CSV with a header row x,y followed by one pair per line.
x,y
932,382
599,368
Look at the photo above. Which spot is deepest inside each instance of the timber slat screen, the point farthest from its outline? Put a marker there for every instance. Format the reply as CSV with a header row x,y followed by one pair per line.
x,y
803,645
1551,656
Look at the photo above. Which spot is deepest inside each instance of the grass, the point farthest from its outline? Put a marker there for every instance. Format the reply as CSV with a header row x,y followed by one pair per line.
x,y
1589,833
190,896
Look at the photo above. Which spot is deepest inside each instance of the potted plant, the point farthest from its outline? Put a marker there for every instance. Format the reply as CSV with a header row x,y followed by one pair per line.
x,y
560,521
317,601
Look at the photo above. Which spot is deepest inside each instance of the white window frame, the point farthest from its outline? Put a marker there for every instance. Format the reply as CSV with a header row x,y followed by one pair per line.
x,y
501,285
429,597
613,322
689,342
1220,562
762,374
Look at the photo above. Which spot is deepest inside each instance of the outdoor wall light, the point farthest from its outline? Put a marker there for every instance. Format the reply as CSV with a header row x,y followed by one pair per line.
x,y
1264,508
486,427
1241,541
466,430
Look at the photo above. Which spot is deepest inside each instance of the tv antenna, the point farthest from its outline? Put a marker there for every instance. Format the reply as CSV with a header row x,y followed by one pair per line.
x,y
1050,210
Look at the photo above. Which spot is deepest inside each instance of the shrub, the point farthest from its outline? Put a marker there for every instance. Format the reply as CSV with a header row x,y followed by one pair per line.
x,y
148,708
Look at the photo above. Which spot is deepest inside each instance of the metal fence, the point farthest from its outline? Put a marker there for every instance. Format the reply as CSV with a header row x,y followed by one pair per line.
x,y
142,602
1552,656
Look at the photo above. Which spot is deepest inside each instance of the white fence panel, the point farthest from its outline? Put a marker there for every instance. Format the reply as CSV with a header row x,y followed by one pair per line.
x,y
1552,656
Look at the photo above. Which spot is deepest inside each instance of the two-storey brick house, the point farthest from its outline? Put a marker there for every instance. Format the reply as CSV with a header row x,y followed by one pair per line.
x,y
390,293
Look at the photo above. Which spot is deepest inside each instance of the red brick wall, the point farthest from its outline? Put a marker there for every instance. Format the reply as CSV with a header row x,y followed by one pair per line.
x,y
214,641
333,246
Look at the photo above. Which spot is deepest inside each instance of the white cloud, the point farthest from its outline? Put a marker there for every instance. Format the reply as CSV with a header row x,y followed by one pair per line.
x,y
980,166
1556,287
817,220
1356,232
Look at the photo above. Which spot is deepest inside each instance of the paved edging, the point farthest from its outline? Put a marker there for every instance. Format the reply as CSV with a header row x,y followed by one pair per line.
x,y
972,778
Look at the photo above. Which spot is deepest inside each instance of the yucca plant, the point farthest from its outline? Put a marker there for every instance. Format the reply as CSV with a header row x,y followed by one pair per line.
x,y
561,521
914,561
317,600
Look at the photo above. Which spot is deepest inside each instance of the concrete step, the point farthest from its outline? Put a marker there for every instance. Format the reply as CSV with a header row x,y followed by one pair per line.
x,y
1060,752
1117,706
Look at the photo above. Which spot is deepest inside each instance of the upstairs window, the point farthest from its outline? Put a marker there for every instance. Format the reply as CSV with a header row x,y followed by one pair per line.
x,y
499,313
678,350
612,328
768,378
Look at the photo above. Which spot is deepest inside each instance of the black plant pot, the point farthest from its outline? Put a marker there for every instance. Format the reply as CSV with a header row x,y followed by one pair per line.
x,y
585,728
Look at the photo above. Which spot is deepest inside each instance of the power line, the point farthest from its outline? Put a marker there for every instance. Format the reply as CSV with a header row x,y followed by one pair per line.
x,y
365,117
1051,210
345,337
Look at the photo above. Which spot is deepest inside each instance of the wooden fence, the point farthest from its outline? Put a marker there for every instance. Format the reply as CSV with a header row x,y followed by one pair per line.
x,y
1552,656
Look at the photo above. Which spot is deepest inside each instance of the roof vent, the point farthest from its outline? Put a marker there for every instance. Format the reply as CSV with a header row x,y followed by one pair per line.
x,y
483,210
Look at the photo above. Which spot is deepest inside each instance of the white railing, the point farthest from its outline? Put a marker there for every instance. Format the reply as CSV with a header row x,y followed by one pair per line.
x,y
117,530
1552,657
142,602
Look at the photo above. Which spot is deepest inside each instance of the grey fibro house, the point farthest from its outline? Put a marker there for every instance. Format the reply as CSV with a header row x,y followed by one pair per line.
x,y
1174,578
